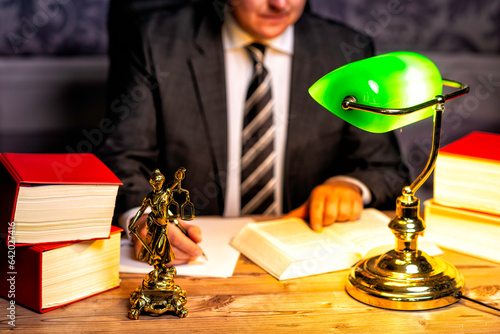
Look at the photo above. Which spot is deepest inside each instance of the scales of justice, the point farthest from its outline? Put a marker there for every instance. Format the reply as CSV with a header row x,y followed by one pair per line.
x,y
158,293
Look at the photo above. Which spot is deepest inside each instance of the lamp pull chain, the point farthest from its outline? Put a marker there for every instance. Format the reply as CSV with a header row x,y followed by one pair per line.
x,y
459,295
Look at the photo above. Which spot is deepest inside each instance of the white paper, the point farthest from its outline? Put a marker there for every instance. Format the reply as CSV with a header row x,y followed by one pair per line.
x,y
216,233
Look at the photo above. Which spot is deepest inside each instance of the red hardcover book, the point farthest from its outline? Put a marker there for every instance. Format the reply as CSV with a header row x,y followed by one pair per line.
x,y
45,277
476,145
55,197
467,173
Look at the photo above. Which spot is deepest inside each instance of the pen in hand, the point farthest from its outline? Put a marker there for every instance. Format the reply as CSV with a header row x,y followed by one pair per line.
x,y
183,230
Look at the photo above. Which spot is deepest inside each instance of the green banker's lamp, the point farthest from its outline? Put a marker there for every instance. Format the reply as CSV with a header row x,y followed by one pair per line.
x,y
380,94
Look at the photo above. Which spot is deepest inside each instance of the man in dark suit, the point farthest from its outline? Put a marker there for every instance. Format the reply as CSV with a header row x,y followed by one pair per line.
x,y
170,106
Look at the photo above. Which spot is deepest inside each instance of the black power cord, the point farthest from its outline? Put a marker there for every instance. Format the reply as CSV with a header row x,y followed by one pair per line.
x,y
460,295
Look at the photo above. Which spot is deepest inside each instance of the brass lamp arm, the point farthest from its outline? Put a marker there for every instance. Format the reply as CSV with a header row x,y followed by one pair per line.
x,y
350,101
436,136
436,139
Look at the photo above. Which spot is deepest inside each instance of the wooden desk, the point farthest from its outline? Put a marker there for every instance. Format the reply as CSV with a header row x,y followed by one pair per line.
x,y
254,302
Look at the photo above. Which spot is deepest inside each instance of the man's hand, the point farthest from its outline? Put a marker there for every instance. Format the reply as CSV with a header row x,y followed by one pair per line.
x,y
330,202
185,249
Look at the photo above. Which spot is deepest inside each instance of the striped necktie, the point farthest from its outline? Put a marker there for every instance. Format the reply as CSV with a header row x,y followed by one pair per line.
x,y
258,155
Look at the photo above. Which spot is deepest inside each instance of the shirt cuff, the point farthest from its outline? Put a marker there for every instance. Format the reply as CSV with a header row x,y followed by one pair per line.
x,y
366,195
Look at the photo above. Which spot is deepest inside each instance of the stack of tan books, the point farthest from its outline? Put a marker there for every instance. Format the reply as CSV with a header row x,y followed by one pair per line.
x,y
464,214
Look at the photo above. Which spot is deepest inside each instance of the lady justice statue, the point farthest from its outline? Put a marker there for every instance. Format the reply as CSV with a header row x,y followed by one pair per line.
x,y
158,293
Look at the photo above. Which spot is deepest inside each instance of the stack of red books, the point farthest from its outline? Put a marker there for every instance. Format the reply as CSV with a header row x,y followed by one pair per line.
x,y
55,223
464,214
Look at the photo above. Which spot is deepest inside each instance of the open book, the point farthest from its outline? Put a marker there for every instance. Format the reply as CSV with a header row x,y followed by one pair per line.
x,y
288,248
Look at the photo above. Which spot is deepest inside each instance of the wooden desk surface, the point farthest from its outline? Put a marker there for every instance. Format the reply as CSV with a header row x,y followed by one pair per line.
x,y
251,301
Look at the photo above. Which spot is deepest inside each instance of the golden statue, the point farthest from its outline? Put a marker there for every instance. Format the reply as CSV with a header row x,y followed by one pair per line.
x,y
158,293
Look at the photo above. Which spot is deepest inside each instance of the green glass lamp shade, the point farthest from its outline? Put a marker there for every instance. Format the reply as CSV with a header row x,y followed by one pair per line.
x,y
393,81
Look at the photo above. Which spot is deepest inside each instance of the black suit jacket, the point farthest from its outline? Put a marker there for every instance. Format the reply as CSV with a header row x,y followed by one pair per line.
x,y
167,108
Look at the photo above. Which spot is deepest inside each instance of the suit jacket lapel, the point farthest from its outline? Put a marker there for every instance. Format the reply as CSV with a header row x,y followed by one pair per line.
x,y
207,69
301,68
300,115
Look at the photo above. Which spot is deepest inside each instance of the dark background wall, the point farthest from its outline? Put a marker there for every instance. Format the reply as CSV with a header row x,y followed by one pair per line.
x,y
53,70
53,66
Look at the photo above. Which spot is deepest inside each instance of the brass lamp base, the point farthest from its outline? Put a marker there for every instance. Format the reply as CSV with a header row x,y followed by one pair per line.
x,y
405,278
388,281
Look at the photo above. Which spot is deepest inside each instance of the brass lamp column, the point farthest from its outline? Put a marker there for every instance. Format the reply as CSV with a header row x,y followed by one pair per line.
x,y
406,278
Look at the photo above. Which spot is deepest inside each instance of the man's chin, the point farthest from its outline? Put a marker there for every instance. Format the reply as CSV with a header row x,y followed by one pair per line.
x,y
269,32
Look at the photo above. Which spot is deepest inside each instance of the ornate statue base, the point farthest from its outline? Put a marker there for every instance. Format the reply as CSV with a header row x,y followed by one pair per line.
x,y
158,294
